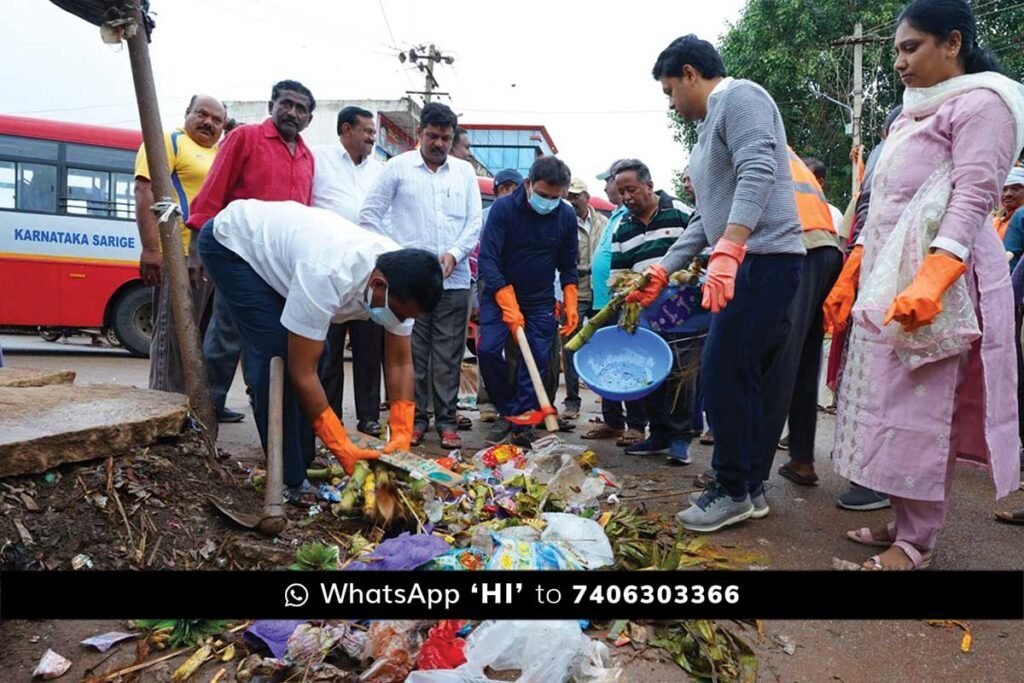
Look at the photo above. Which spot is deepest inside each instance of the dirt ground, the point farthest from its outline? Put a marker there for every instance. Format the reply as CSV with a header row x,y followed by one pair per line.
x,y
804,531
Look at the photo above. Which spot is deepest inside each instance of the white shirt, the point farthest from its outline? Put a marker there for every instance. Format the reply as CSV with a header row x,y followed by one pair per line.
x,y
318,261
437,211
837,217
339,184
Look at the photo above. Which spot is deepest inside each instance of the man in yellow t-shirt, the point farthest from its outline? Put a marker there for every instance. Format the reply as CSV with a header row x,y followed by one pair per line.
x,y
190,153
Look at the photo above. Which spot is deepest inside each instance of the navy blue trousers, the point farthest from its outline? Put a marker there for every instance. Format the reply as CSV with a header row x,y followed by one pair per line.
x,y
513,398
737,353
256,309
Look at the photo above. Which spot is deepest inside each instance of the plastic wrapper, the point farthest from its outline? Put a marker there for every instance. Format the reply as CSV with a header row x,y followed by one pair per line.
x,y
51,666
393,647
458,559
443,649
309,645
512,554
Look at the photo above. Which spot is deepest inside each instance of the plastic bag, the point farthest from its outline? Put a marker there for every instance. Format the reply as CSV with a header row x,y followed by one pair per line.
x,y
543,651
443,649
458,559
595,666
393,645
894,267
309,645
584,538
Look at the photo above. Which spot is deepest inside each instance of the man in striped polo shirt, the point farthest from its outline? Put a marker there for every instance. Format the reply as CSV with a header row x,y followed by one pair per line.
x,y
654,222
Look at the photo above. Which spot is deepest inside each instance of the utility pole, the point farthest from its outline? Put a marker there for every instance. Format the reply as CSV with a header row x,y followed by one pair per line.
x,y
857,40
425,58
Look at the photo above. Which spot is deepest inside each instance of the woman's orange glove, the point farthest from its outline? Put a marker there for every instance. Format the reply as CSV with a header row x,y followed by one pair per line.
x,y
572,316
918,304
657,280
510,313
839,302
400,423
720,285
328,427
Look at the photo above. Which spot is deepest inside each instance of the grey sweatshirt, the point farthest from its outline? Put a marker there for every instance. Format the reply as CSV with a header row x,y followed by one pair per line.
x,y
740,173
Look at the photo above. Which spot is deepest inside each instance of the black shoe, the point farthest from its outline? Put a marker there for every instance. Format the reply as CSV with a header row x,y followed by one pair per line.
x,y
229,416
499,432
524,438
369,427
565,426
862,499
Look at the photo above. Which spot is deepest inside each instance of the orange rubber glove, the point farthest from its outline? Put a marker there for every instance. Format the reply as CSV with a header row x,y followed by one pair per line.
x,y
918,304
400,421
657,280
328,427
510,313
720,285
572,316
839,302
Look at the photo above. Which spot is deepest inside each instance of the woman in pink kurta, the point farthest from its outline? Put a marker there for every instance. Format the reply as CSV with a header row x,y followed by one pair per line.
x,y
924,383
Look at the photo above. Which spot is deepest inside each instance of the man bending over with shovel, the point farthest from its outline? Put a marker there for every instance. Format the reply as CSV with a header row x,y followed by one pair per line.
x,y
529,235
287,271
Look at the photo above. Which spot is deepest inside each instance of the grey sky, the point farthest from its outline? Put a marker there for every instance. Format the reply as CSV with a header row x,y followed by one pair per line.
x,y
583,69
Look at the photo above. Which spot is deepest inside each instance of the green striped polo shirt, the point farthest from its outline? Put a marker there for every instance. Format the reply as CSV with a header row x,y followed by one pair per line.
x,y
636,246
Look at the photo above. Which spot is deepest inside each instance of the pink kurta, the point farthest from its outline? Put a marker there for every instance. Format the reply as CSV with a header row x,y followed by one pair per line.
x,y
895,426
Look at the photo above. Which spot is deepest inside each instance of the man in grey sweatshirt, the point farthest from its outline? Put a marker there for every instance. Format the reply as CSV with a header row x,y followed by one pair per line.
x,y
746,212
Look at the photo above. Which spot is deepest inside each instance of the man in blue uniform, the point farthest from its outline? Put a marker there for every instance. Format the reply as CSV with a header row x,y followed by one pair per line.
x,y
528,236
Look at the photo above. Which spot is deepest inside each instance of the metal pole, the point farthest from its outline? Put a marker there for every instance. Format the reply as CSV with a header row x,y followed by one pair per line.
x,y
175,271
858,94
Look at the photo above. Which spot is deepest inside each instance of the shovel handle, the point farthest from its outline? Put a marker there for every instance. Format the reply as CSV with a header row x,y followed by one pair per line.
x,y
550,421
273,494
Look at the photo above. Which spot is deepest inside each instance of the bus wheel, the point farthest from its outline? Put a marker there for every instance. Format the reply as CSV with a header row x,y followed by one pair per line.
x,y
51,334
132,320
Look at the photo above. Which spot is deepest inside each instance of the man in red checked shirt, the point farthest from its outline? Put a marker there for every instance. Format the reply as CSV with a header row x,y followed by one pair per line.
x,y
268,161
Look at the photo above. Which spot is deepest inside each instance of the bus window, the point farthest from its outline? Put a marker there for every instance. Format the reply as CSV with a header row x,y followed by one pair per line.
x,y
37,187
88,192
89,155
124,195
7,185
14,146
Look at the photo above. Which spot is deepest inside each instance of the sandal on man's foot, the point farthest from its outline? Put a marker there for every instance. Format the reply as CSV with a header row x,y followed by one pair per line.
x,y
1010,517
601,431
788,472
630,437
918,559
463,423
451,441
417,437
865,537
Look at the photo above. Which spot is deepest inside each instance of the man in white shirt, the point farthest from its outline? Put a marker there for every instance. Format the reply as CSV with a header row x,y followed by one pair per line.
x,y
287,272
433,202
342,176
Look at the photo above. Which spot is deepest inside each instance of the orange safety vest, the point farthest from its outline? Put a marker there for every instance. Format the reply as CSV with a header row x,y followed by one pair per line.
x,y
1001,222
811,205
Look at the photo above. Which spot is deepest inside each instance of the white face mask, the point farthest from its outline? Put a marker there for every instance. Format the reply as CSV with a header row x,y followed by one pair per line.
x,y
382,315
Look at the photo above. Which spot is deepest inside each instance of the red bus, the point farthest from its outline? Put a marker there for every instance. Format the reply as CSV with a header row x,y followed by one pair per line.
x,y
69,248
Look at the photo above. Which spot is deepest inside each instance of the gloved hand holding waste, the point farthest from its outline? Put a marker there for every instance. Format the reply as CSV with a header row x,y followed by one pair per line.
x,y
332,433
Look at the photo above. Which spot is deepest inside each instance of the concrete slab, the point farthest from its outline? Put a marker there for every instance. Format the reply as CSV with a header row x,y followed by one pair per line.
x,y
42,427
34,377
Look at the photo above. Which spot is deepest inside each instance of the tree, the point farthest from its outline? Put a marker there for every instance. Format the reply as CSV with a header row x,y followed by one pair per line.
x,y
786,46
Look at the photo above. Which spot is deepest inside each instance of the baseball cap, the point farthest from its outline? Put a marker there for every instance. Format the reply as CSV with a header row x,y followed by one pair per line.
x,y
610,172
577,186
507,175
1016,177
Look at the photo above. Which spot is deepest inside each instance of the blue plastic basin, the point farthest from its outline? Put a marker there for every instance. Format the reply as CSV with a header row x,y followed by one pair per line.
x,y
621,366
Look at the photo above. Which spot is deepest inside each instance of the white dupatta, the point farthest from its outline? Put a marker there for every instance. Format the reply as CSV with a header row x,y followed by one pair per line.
x,y
956,327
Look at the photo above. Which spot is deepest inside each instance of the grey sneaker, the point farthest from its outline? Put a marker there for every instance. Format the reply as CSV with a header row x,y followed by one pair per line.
x,y
862,499
714,510
757,499
499,432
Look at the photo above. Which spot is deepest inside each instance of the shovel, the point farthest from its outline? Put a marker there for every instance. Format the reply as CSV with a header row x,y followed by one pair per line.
x,y
273,520
547,413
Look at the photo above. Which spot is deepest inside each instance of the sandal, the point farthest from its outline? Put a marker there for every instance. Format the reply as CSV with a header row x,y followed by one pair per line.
x,y
451,441
1010,517
463,423
417,437
602,431
802,479
865,537
918,559
630,437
